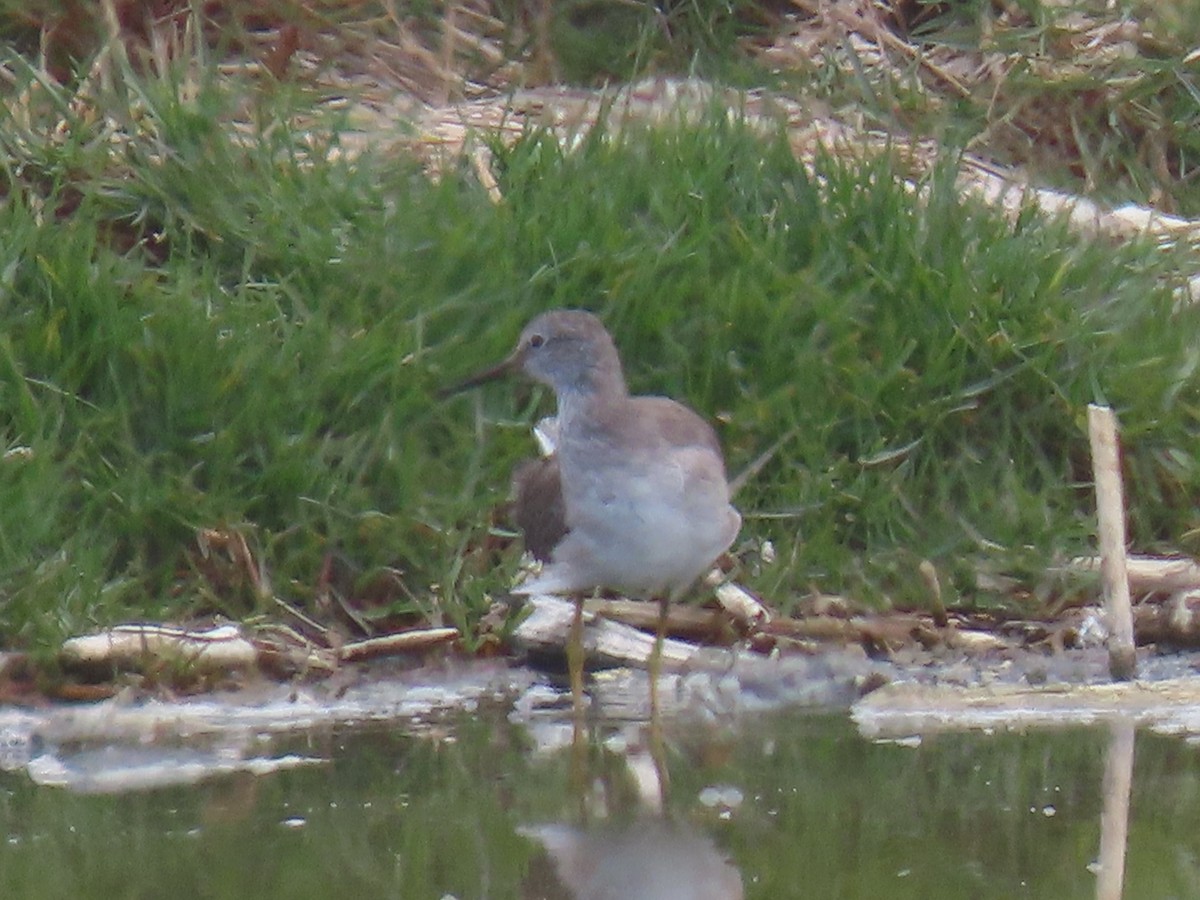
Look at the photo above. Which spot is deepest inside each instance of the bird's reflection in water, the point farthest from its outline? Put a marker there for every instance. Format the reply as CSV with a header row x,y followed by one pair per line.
x,y
647,859
650,856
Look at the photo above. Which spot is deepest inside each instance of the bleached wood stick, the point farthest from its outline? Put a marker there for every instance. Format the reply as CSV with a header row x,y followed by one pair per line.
x,y
1148,573
1110,510
546,627
393,644
223,648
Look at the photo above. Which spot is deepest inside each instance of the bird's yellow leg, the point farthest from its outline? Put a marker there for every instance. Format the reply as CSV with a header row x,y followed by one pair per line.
x,y
654,669
575,658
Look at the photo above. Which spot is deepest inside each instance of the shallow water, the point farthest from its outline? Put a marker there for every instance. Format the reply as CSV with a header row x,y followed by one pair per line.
x,y
792,805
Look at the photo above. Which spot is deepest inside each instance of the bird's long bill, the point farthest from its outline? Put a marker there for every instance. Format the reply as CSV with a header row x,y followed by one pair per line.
x,y
502,368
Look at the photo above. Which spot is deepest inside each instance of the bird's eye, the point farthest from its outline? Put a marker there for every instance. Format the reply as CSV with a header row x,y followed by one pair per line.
x,y
536,340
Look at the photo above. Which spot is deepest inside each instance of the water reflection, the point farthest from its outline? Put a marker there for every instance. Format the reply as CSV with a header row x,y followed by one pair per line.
x,y
1114,820
485,807
639,849
647,859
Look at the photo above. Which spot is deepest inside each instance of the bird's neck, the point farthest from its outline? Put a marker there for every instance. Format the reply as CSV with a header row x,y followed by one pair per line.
x,y
579,399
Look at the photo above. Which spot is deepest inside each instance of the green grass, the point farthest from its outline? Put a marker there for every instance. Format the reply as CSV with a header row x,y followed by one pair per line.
x,y
202,330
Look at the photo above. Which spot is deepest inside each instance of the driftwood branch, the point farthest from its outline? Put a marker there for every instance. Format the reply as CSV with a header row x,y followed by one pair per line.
x,y
546,629
1149,574
642,614
223,648
393,644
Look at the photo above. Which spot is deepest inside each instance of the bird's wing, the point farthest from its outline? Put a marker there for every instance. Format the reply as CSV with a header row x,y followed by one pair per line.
x,y
677,439
538,505
678,426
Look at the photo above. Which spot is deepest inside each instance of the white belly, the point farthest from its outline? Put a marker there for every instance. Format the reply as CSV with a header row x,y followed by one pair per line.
x,y
645,530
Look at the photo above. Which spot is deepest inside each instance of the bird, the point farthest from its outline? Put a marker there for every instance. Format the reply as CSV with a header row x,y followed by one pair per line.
x,y
634,497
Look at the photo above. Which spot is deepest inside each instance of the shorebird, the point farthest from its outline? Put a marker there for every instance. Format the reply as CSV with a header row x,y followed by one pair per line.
x,y
634,497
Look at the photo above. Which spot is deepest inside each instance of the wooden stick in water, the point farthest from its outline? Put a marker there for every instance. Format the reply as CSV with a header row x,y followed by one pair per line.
x,y
1110,509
